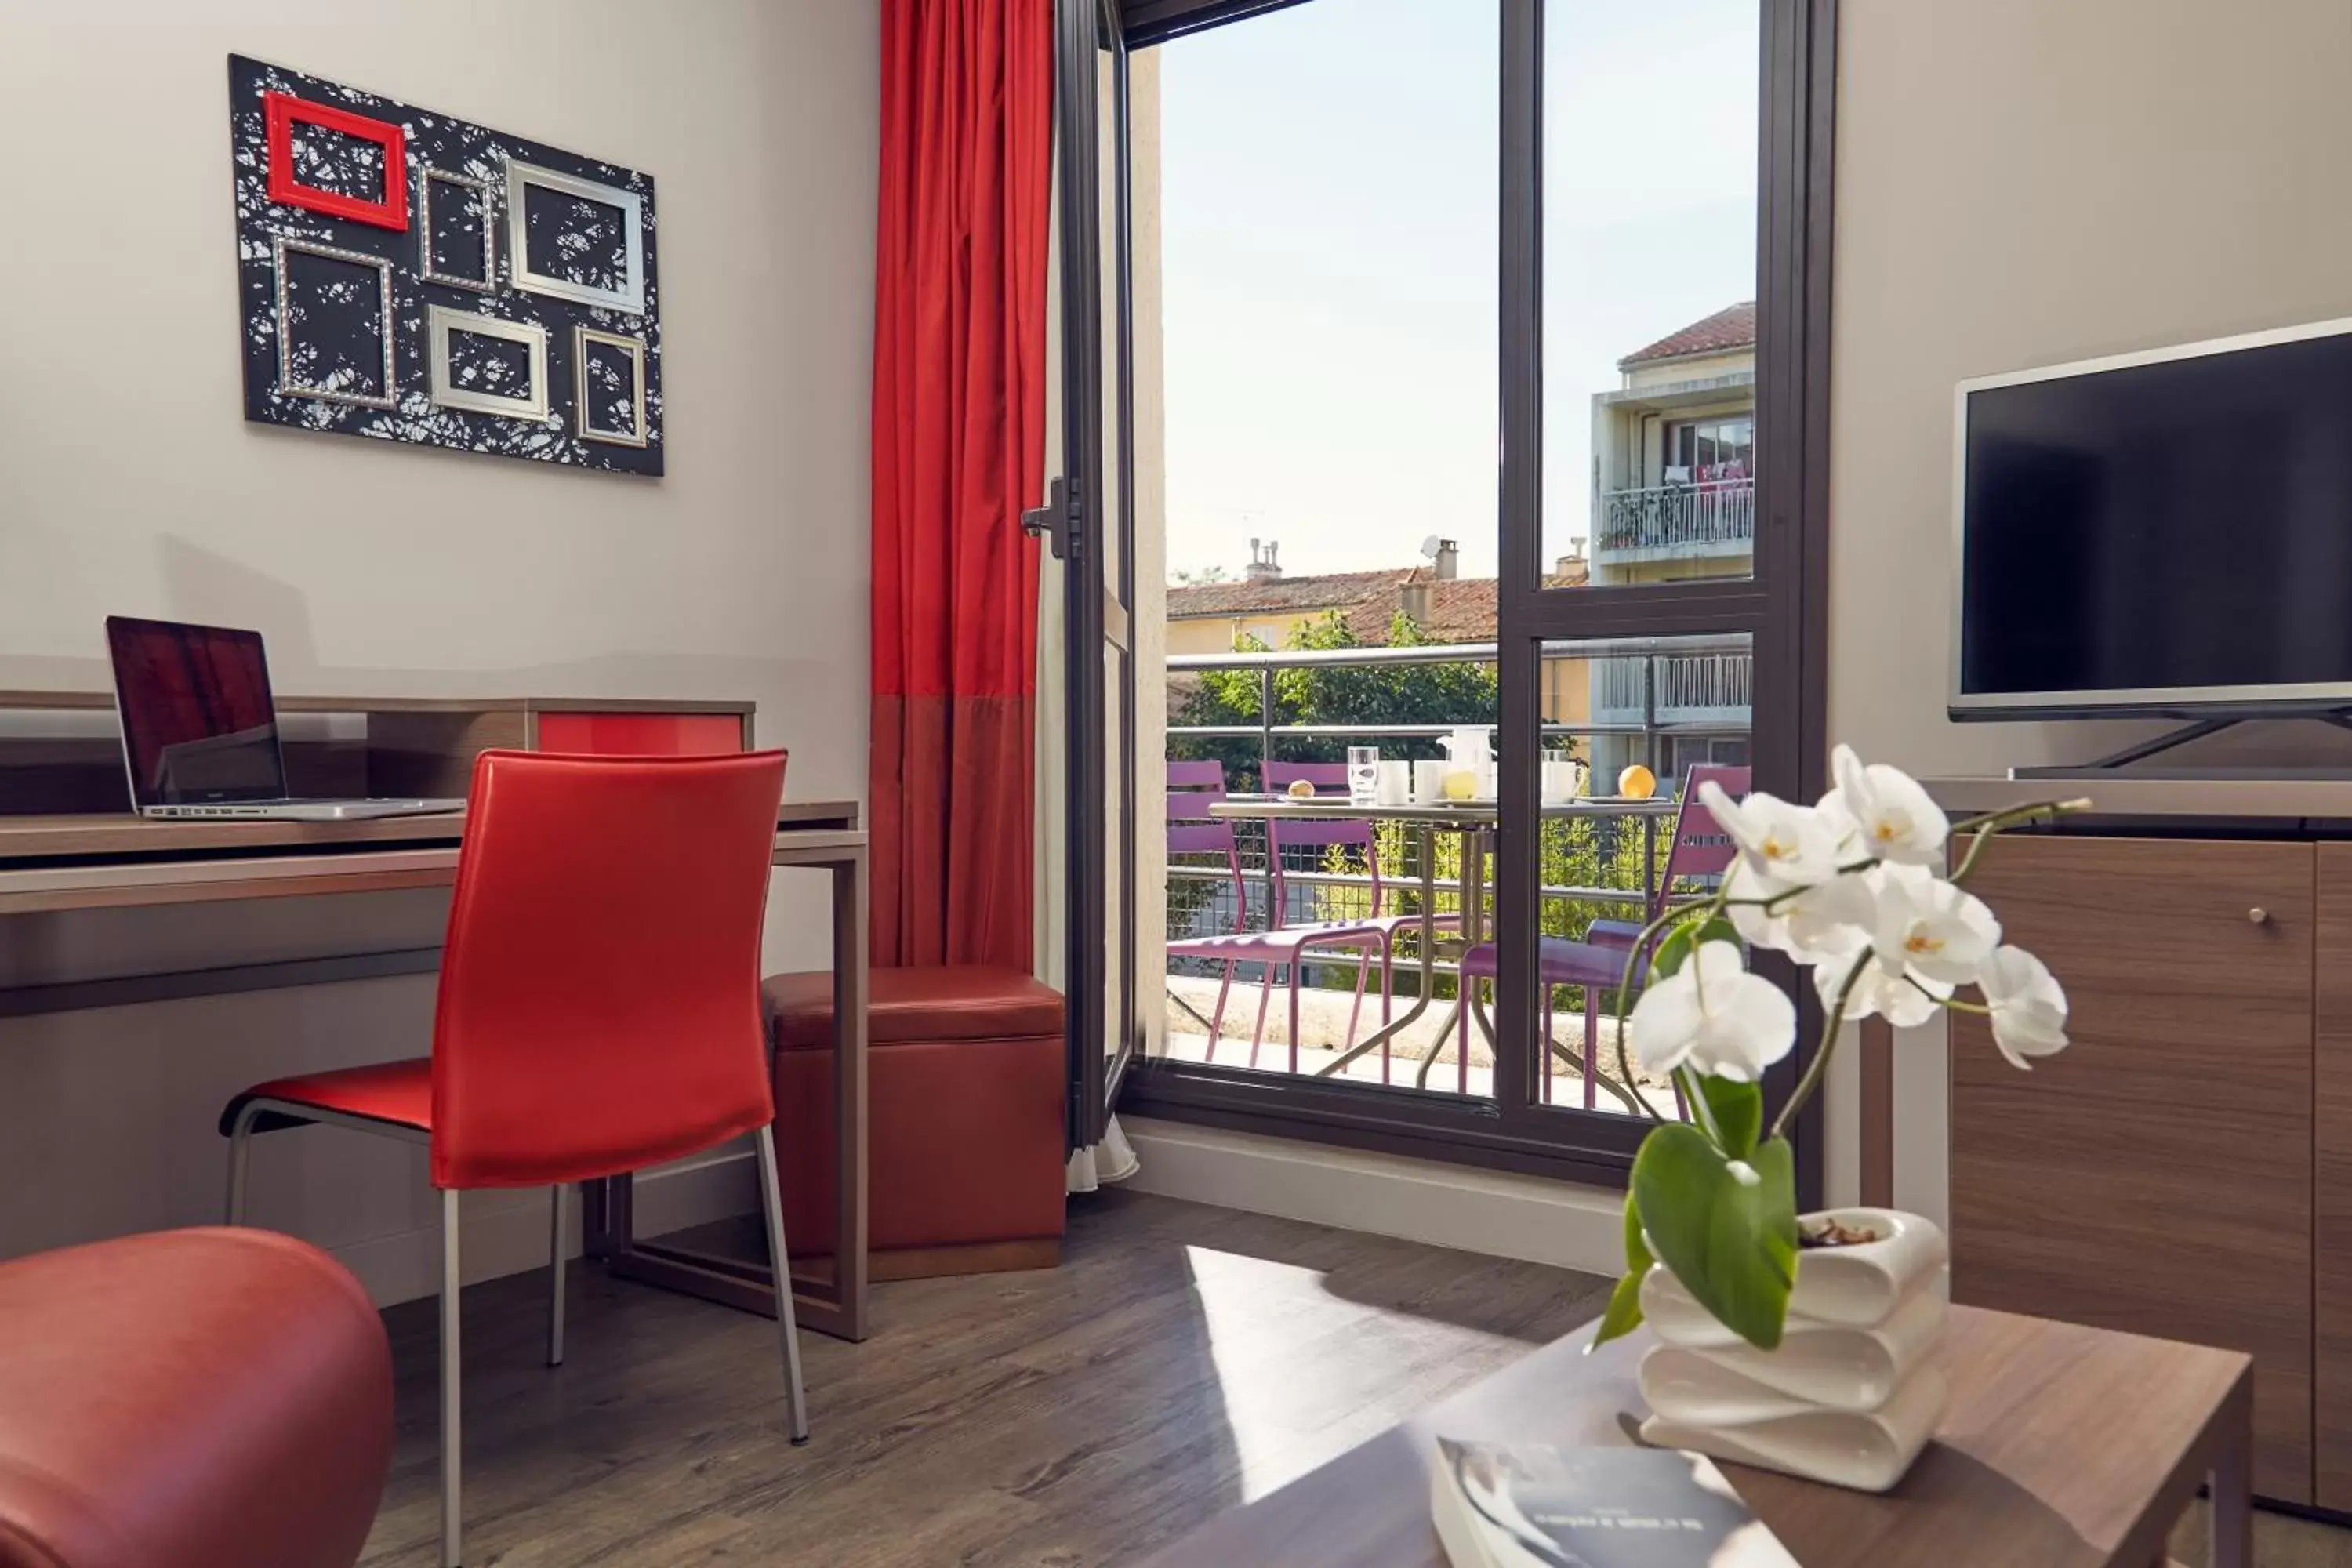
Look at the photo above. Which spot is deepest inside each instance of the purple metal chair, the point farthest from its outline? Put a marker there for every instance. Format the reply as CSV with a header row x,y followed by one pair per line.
x,y
1190,832
1700,849
1331,779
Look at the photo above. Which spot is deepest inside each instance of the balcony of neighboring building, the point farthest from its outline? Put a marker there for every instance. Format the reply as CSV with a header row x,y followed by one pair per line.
x,y
1673,491
1677,521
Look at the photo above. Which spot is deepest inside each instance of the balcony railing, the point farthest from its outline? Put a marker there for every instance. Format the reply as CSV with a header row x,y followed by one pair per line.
x,y
1663,522
1674,689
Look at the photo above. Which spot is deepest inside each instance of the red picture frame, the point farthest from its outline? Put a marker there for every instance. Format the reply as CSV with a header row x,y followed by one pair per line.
x,y
281,110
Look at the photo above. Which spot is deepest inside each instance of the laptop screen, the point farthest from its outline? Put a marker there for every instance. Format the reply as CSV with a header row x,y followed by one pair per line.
x,y
197,721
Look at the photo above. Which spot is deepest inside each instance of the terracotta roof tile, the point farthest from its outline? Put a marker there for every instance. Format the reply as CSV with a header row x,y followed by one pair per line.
x,y
1733,327
1331,591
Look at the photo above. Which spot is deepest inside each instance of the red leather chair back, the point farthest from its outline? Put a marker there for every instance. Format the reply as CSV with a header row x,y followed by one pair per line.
x,y
600,989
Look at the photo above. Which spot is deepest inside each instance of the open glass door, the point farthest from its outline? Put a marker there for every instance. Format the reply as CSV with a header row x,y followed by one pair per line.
x,y
1089,522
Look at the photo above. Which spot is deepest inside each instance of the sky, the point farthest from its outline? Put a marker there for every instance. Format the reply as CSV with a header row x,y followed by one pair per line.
x,y
1329,254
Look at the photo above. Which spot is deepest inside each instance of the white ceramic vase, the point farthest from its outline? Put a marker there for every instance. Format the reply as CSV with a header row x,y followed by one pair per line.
x,y
1850,1397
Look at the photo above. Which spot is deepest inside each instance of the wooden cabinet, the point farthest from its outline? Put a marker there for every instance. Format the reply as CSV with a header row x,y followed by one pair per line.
x,y
2332,1181
2158,1177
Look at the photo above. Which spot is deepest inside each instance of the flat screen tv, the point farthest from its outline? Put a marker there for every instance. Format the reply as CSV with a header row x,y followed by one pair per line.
x,y
2158,533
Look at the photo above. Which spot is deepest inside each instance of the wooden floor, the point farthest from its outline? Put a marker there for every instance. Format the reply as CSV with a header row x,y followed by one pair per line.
x,y
1182,1360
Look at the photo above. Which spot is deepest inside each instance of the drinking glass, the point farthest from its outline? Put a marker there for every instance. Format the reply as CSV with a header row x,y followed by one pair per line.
x,y
1363,775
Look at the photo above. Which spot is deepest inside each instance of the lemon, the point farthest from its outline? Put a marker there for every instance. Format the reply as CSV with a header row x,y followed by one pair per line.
x,y
1461,784
1637,783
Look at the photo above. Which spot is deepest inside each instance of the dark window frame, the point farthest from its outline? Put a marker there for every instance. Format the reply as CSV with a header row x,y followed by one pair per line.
x,y
1783,607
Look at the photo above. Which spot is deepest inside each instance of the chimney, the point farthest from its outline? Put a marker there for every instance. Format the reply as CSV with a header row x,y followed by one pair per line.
x,y
1449,560
1573,571
1412,598
1262,568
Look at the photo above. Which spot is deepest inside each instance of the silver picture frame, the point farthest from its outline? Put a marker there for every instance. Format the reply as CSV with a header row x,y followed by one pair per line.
x,y
441,322
281,247
635,347
488,283
631,296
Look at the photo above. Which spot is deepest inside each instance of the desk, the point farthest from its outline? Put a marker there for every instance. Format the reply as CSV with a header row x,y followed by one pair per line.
x,y
114,861
2065,1447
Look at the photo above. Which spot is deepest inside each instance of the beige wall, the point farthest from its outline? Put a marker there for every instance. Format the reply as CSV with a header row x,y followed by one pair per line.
x,y
129,482
2021,182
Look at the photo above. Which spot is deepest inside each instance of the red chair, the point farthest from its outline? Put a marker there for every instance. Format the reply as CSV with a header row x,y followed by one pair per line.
x,y
599,1009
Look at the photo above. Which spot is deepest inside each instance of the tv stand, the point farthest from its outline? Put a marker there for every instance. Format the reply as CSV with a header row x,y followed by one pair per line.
x,y
2116,761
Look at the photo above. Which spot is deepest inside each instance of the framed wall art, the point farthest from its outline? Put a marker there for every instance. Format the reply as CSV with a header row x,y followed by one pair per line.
x,y
405,275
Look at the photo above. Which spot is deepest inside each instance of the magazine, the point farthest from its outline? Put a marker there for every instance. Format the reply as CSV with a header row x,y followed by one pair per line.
x,y
1516,1505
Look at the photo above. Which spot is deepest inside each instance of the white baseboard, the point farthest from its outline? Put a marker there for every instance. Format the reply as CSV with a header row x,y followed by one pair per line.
x,y
505,1232
1490,1212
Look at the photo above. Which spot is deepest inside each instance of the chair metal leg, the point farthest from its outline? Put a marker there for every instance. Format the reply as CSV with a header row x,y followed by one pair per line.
x,y
1217,1020
1363,971
772,1200
450,1277
1265,993
555,1268
241,1150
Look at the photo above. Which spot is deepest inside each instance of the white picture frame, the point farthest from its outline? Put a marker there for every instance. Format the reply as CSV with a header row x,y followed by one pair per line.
x,y
629,344
630,297
281,247
441,322
487,194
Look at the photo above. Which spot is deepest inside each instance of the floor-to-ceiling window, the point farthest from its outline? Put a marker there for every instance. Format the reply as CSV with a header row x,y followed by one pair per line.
x,y
1485,349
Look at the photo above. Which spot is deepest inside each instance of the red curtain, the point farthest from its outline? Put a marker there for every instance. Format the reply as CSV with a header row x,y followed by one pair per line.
x,y
959,450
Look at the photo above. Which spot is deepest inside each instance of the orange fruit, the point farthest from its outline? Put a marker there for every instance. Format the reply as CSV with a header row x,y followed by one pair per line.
x,y
1637,783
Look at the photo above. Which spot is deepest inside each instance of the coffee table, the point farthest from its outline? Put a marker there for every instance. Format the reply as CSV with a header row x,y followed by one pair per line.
x,y
2065,1447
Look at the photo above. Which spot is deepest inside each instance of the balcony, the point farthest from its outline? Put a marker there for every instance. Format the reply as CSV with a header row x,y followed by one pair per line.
x,y
1677,522
1674,697
1666,692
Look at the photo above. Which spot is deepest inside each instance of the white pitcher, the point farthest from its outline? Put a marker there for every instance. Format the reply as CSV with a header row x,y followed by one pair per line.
x,y
1470,750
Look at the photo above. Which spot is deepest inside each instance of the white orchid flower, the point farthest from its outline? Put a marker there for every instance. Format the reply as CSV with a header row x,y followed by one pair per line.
x,y
1712,1016
1928,928
2029,1006
1903,999
1880,813
1794,845
1817,924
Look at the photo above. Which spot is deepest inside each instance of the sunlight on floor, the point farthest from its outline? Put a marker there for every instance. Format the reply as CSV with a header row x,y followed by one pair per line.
x,y
1254,1311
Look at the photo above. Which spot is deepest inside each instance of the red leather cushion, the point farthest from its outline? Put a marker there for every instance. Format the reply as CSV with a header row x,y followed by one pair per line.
x,y
964,1143
196,1398
952,1001
398,1092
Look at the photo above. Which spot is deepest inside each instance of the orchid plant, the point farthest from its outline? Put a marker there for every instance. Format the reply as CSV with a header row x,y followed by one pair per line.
x,y
1851,887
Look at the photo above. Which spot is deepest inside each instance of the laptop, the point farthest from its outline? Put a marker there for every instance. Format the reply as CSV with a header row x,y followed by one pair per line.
x,y
200,728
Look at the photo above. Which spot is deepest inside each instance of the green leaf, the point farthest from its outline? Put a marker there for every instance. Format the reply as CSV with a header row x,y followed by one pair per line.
x,y
1732,1242
1680,942
1625,1314
1739,1110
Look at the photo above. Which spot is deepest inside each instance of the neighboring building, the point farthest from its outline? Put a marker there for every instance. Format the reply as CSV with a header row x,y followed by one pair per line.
x,y
1673,456
1213,617
1674,497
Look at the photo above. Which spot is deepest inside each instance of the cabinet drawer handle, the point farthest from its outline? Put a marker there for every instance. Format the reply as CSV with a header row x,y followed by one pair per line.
x,y
2259,915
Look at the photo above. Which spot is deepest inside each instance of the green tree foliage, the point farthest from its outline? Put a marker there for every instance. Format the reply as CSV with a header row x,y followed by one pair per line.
x,y
1450,693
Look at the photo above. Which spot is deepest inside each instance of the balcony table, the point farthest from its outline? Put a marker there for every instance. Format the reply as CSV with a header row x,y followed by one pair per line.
x,y
1476,821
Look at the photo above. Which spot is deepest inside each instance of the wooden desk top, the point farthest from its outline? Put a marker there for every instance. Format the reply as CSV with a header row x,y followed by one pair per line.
x,y
69,702
123,838
2065,1447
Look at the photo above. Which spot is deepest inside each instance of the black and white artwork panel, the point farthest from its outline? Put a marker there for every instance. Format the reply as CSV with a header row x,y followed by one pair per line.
x,y
462,330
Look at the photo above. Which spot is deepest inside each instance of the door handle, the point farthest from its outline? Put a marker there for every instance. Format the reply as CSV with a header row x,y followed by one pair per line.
x,y
1056,522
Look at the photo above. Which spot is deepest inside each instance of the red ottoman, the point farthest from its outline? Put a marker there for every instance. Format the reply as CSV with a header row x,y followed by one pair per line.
x,y
190,1399
965,1117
